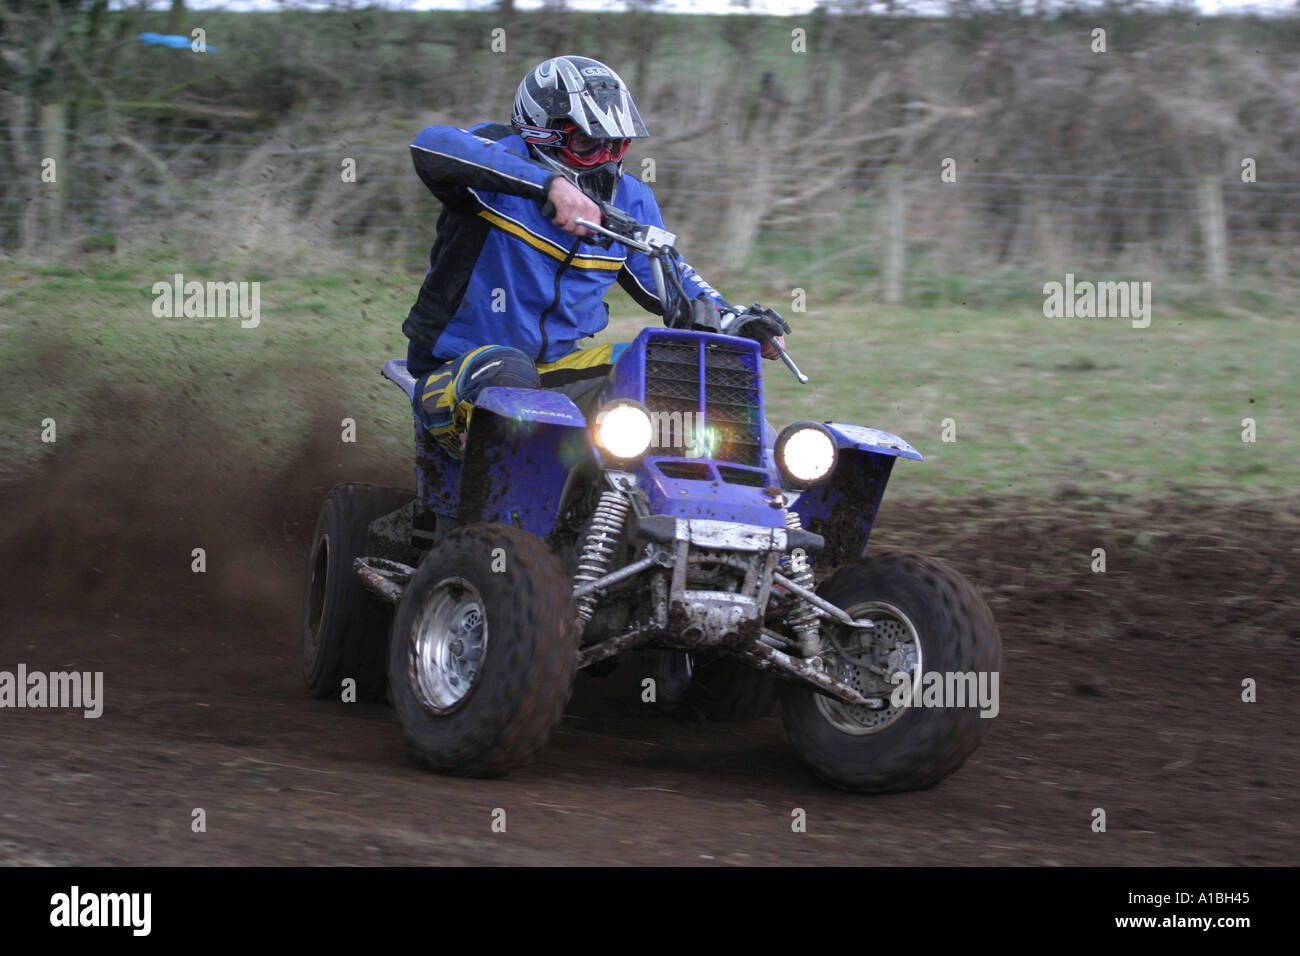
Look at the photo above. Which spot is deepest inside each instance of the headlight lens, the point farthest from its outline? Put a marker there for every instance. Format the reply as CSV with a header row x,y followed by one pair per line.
x,y
623,429
805,452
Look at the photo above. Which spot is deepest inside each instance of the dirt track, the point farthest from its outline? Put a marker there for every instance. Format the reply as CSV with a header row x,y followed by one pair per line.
x,y
1119,690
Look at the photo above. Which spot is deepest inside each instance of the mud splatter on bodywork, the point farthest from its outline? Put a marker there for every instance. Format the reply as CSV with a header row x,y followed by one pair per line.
x,y
522,445
842,508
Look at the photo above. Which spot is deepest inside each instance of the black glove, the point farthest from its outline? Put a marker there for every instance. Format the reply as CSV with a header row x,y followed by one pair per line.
x,y
757,323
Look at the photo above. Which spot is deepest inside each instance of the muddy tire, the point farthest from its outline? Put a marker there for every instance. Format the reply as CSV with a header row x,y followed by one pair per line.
x,y
918,603
344,626
483,653
722,689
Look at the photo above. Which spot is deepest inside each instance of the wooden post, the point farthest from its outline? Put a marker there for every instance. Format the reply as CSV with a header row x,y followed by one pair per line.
x,y
176,19
54,146
895,234
1214,232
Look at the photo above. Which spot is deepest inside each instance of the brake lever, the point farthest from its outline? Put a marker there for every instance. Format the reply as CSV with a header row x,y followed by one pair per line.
x,y
608,235
782,354
789,362
600,236
780,351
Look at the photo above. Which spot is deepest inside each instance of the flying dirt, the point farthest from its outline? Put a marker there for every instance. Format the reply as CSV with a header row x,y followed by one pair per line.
x,y
1120,691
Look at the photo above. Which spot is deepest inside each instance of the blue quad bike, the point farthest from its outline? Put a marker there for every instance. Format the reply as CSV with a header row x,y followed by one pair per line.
x,y
676,531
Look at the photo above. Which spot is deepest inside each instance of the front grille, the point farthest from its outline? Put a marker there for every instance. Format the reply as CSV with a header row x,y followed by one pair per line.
x,y
731,407
732,422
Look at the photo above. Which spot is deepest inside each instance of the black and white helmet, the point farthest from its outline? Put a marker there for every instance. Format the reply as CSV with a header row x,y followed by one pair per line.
x,y
578,117
580,90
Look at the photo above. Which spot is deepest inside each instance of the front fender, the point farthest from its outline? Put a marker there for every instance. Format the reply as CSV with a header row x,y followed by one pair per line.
x,y
522,444
842,506
531,405
862,438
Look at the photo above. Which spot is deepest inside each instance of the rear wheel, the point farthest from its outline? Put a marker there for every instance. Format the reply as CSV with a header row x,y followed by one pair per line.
x,y
483,651
344,626
928,619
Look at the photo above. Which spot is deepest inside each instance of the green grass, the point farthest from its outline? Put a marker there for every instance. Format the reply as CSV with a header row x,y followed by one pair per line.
x,y
1037,403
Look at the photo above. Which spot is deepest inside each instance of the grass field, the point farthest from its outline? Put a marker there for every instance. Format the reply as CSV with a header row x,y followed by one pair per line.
x,y
1036,403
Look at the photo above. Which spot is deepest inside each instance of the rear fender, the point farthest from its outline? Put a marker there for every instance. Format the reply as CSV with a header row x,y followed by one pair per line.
x,y
842,507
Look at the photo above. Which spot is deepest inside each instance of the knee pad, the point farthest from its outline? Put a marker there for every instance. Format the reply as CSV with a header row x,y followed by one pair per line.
x,y
445,398
496,366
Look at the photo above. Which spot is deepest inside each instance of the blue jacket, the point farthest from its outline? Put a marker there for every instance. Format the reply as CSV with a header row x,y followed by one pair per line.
x,y
499,271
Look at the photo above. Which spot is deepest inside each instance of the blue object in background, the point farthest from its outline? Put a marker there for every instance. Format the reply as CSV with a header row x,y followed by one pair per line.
x,y
173,41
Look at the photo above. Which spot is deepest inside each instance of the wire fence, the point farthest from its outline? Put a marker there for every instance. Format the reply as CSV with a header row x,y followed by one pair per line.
x,y
899,230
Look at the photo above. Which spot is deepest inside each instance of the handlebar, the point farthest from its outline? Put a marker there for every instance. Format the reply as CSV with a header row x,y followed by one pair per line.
x,y
618,226
658,244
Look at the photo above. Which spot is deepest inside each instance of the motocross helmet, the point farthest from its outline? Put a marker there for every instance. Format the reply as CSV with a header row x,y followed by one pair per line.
x,y
578,118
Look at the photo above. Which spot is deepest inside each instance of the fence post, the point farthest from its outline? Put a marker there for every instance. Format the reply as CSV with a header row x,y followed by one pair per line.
x,y
895,234
1214,232
54,146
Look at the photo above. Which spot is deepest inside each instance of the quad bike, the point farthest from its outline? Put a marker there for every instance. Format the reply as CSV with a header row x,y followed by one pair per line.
x,y
677,529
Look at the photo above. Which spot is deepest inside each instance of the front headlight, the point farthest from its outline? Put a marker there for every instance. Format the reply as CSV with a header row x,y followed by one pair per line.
x,y
623,429
805,452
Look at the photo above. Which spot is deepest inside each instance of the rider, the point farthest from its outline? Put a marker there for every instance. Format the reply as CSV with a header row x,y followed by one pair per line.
x,y
510,292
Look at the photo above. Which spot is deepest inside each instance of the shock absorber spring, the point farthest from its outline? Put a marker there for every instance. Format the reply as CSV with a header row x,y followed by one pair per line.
x,y
598,547
803,619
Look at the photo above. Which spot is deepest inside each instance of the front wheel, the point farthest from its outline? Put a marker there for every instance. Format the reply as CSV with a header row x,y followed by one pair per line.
x,y
483,653
930,624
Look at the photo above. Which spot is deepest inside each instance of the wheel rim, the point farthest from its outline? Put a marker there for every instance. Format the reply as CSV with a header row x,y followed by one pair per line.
x,y
448,640
320,567
864,659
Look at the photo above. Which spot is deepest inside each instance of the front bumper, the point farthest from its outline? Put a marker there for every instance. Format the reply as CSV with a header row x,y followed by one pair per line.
x,y
695,617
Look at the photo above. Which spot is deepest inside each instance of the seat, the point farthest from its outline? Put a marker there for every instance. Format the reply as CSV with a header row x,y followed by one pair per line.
x,y
395,371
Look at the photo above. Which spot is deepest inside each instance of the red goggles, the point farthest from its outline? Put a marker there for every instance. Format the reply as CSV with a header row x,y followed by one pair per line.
x,y
579,149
